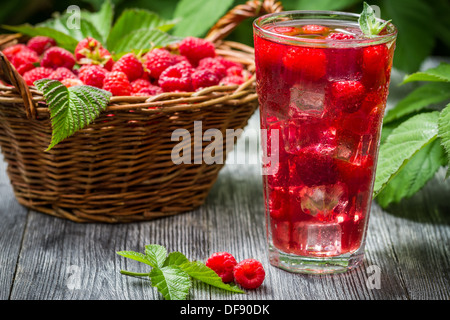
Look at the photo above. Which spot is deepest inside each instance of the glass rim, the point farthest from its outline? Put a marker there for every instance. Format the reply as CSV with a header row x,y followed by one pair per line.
x,y
296,40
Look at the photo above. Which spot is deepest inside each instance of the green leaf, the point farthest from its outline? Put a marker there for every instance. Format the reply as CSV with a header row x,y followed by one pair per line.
x,y
403,143
320,4
175,258
370,25
171,281
422,97
137,256
71,109
441,73
63,40
156,254
142,40
414,20
102,20
444,132
201,272
198,16
135,19
414,175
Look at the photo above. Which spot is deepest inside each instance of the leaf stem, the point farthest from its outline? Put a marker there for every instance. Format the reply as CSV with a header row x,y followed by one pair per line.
x,y
134,274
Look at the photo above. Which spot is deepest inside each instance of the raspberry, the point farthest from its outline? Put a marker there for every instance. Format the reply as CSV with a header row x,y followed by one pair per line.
x,y
288,31
235,71
346,95
223,264
202,78
249,273
214,65
11,51
231,81
195,49
40,43
228,63
24,61
314,29
117,83
70,82
340,36
62,73
314,165
36,74
56,57
148,91
176,78
158,60
24,68
309,62
129,65
92,75
374,59
139,84
91,51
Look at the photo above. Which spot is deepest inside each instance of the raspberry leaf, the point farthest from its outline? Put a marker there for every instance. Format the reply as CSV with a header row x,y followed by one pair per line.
x,y
137,256
201,272
175,258
71,109
171,281
370,25
413,176
402,144
444,133
156,254
441,73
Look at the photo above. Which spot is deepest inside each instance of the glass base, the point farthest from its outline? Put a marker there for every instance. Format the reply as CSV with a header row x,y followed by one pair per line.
x,y
314,265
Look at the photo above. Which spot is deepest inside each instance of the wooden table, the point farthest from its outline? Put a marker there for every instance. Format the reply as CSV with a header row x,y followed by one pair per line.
x,y
47,258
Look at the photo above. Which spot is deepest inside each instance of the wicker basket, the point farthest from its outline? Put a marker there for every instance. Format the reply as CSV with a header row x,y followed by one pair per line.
x,y
119,169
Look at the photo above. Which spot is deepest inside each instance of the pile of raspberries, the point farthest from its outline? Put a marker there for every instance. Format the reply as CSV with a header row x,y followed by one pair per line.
x,y
189,66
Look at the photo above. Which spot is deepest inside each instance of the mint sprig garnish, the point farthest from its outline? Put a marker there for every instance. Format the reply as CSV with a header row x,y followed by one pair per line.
x,y
370,25
172,273
71,109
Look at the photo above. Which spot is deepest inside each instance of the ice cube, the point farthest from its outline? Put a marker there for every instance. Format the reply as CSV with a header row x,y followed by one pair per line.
x,y
306,102
320,201
354,148
320,239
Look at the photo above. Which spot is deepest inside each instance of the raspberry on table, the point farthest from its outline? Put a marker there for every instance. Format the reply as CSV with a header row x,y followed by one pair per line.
x,y
40,43
249,273
130,65
158,60
36,74
62,73
202,78
117,83
58,57
195,49
223,264
92,75
176,78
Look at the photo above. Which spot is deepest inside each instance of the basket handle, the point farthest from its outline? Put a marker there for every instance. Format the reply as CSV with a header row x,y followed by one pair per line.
x,y
9,73
250,9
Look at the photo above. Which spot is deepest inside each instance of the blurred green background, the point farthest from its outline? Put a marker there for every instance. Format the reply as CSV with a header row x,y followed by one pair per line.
x,y
424,26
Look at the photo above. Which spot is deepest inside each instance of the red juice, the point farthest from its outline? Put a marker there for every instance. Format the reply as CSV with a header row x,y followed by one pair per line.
x,y
324,95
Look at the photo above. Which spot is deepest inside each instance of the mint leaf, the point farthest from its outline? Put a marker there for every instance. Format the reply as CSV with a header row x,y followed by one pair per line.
x,y
402,143
414,175
156,254
440,73
198,16
200,271
424,96
175,258
370,25
71,109
131,20
444,133
171,281
137,256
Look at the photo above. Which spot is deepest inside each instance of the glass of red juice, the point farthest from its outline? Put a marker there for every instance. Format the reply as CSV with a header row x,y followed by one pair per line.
x,y
322,87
